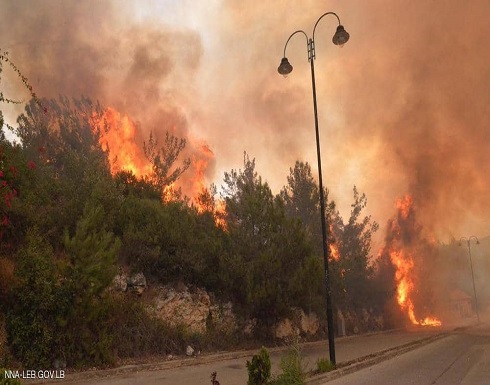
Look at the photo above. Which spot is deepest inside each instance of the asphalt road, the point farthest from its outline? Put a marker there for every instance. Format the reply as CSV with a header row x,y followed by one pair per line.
x,y
461,358
232,370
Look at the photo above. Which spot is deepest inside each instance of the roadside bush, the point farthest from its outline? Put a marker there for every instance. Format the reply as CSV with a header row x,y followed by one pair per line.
x,y
31,321
7,381
259,369
324,365
292,366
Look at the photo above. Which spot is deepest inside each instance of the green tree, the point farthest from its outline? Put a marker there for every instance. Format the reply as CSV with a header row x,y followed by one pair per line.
x,y
33,311
302,201
163,158
353,239
90,268
70,166
269,249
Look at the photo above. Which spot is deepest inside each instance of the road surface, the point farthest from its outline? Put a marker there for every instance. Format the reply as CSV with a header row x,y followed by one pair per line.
x,y
461,358
233,370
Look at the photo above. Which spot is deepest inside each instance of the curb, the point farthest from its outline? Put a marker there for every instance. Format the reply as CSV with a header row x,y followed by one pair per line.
x,y
371,359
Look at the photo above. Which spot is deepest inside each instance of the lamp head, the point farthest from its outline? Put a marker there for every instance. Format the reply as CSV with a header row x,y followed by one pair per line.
x,y
341,36
284,68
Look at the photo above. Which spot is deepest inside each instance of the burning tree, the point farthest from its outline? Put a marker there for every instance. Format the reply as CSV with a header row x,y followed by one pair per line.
x,y
413,258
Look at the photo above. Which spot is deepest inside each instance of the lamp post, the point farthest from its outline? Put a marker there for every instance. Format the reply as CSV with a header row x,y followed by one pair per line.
x,y
468,243
340,38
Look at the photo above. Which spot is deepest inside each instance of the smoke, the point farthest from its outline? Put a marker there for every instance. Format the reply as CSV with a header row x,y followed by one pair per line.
x,y
403,107
93,48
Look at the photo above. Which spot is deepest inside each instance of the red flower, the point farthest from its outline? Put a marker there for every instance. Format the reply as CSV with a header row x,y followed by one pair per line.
x,y
5,220
31,165
13,170
1,174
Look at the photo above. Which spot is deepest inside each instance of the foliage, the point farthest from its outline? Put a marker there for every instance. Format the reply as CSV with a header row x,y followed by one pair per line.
x,y
32,316
4,58
292,366
71,224
71,167
302,201
268,250
324,365
7,381
91,256
259,369
353,240
163,160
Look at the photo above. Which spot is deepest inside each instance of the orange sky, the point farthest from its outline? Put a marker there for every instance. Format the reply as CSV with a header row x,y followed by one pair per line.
x,y
403,106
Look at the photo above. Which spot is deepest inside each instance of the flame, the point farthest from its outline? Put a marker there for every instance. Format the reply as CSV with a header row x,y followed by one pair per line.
x,y
334,251
199,164
332,246
403,261
220,214
205,202
118,137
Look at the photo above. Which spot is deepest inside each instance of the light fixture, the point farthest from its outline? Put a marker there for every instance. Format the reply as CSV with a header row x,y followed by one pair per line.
x,y
341,36
284,68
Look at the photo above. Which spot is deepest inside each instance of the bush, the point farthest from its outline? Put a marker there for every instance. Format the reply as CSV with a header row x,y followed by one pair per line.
x,y
293,367
324,365
259,370
7,381
32,315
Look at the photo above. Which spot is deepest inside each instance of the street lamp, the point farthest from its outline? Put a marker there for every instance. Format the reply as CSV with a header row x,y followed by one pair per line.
x,y
468,243
340,38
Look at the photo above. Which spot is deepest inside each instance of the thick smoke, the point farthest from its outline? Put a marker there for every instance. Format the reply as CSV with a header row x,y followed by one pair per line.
x,y
94,48
403,107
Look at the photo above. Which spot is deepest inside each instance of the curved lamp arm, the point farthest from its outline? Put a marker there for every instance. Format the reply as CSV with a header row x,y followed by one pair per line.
x,y
289,38
285,67
321,17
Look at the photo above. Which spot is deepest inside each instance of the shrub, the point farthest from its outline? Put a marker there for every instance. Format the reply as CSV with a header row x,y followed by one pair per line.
x,y
7,381
31,321
259,370
292,366
324,365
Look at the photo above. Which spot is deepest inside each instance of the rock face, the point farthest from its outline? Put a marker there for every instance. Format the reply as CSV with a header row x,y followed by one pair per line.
x,y
136,282
194,309
301,324
120,282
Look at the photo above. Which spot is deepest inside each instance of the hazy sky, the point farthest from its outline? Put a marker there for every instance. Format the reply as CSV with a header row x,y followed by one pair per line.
x,y
403,106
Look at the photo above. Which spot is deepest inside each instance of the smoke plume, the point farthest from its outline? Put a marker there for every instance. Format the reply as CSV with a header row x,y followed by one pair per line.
x,y
403,107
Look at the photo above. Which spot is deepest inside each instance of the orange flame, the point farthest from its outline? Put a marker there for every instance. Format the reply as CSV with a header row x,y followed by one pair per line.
x,y
199,164
220,214
332,246
118,136
334,251
404,265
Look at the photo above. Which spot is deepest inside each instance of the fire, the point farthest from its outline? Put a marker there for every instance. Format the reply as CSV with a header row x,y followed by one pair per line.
x,y
220,214
334,251
118,136
402,259
332,246
199,164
